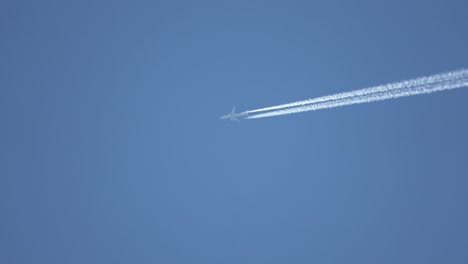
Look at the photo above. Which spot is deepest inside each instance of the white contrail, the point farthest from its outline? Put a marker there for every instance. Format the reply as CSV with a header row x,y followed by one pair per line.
x,y
433,79
424,85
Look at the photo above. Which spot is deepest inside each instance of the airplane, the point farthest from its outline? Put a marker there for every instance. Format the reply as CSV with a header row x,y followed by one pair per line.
x,y
233,116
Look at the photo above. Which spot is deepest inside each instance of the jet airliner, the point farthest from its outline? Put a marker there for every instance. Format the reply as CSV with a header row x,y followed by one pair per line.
x,y
233,116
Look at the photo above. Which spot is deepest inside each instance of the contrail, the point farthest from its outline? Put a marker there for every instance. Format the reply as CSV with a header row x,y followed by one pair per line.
x,y
423,85
364,99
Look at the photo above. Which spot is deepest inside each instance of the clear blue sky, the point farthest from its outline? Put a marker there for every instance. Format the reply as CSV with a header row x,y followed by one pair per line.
x,y
112,151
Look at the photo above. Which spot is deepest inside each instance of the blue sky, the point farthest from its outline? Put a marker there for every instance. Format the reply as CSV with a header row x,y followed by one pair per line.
x,y
112,150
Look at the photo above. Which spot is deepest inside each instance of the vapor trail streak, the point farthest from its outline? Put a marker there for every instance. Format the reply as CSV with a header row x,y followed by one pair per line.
x,y
424,85
433,79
